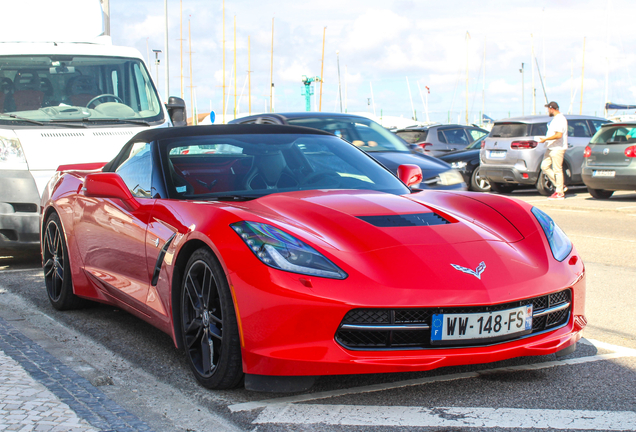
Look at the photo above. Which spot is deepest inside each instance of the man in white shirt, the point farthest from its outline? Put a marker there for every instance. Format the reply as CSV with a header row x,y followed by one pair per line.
x,y
557,139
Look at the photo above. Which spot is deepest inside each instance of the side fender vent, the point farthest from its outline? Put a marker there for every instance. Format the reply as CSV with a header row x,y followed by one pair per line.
x,y
406,220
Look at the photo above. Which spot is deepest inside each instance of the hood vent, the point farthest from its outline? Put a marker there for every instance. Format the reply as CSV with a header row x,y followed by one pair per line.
x,y
407,220
113,133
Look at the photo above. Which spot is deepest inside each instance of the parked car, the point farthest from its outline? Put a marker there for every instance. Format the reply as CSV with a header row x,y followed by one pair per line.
x,y
371,137
467,163
276,254
511,155
610,160
438,140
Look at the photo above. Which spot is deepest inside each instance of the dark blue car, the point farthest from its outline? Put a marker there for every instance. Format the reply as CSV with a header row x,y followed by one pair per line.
x,y
374,139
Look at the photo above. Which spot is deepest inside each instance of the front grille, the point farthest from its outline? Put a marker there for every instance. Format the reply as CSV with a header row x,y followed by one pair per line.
x,y
375,329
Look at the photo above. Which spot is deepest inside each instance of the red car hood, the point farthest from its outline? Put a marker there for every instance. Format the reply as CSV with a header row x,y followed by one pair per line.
x,y
414,259
335,217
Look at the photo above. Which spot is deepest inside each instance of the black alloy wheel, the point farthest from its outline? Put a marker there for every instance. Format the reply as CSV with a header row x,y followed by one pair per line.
x,y
208,323
479,183
57,269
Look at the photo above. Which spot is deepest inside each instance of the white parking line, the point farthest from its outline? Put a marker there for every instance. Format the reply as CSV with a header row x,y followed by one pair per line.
x,y
618,352
628,207
352,415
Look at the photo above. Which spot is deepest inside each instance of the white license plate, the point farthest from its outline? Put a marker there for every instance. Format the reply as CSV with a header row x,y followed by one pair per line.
x,y
497,154
484,326
603,173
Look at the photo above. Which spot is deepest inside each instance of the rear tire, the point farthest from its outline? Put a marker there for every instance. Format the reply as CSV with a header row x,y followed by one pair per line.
x,y
57,269
209,330
600,193
478,183
502,187
545,186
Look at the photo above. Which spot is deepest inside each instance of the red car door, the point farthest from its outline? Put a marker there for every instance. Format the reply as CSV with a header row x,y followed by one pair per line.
x,y
111,236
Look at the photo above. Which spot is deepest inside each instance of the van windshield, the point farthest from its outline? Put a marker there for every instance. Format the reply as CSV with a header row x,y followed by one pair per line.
x,y
65,88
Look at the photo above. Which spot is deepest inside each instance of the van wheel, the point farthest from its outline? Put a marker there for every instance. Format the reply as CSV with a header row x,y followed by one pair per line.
x,y
600,193
502,187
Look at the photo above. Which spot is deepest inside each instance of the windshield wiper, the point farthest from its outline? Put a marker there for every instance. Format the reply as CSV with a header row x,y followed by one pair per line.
x,y
102,120
13,116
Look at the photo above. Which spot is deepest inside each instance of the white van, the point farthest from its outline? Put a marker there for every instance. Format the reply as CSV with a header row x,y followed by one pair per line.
x,y
72,99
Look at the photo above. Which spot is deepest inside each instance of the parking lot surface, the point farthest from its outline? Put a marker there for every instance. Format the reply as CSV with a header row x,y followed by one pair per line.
x,y
141,376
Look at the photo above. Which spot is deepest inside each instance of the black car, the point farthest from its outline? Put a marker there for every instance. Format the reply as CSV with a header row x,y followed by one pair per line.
x,y
374,139
467,163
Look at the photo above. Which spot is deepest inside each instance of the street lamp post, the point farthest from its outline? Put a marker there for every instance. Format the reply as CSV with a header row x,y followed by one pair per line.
x,y
157,62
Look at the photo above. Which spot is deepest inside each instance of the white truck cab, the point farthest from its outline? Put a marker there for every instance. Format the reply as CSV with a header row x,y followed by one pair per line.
x,y
63,102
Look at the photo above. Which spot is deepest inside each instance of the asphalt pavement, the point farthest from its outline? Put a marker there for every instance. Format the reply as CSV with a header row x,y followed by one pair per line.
x,y
116,368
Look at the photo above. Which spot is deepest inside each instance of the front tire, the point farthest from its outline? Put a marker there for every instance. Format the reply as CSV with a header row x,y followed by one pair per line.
x,y
57,269
209,329
600,193
479,183
502,187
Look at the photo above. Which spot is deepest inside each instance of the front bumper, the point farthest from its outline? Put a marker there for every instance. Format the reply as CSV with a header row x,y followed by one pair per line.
x,y
289,329
19,210
507,174
625,179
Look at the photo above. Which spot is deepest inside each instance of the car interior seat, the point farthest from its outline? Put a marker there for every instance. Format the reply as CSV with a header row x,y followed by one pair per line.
x,y
47,87
81,89
27,95
579,131
181,185
7,89
269,171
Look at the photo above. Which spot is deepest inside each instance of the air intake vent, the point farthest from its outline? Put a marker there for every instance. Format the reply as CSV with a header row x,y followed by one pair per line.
x,y
62,135
113,133
410,220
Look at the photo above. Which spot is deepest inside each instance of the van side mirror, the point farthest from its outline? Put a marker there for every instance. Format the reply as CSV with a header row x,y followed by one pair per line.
x,y
177,111
410,174
109,185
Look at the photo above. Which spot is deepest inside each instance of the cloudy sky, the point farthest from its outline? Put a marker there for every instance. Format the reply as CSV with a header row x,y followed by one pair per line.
x,y
382,42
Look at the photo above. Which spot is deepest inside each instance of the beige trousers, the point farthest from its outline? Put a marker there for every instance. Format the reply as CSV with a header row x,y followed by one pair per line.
x,y
552,166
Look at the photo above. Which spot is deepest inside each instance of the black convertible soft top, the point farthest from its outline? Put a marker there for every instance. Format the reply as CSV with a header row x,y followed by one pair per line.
x,y
230,129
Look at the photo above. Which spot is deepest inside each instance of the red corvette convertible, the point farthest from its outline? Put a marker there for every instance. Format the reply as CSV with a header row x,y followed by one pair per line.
x,y
275,254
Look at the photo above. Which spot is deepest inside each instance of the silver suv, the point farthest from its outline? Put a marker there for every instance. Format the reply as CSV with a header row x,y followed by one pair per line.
x,y
511,155
438,140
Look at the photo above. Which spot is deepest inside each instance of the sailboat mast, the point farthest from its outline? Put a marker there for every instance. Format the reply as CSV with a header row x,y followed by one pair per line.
x,y
467,39
322,67
235,67
249,77
534,89
181,43
582,78
411,98
483,88
194,118
271,74
223,61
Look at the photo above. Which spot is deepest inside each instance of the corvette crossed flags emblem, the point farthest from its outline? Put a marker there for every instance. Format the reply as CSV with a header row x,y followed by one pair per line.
x,y
477,272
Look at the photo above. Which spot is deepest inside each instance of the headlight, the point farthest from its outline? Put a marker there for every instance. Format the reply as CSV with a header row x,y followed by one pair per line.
x,y
11,154
560,244
459,165
282,251
450,177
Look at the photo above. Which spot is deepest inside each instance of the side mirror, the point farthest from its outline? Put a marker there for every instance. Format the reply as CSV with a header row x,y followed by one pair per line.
x,y
109,185
410,174
177,111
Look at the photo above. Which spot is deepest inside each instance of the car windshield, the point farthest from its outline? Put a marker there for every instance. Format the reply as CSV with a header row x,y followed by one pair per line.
x,y
477,143
359,131
618,134
86,89
249,166
509,130
413,137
